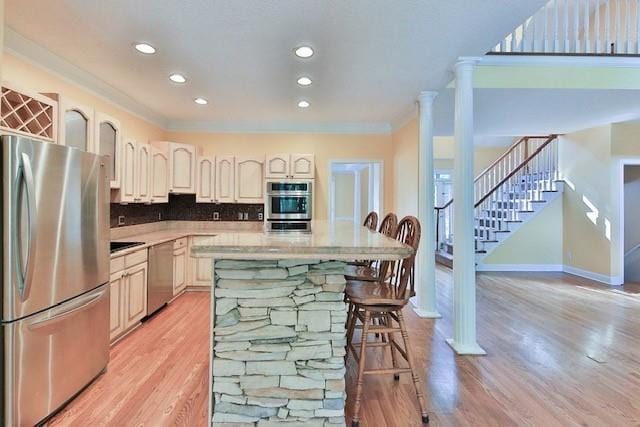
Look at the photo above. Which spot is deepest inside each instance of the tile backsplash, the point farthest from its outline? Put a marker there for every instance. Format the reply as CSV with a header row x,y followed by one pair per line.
x,y
183,207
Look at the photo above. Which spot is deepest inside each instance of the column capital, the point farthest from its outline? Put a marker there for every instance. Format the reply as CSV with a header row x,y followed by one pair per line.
x,y
466,62
427,97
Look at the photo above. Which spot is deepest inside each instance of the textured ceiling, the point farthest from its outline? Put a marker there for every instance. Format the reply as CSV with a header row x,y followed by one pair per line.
x,y
372,56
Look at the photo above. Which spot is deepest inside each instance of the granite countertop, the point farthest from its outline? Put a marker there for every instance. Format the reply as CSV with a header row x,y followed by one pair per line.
x,y
341,240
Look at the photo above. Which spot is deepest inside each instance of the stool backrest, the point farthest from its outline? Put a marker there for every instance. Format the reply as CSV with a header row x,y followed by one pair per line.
x,y
371,221
389,224
402,278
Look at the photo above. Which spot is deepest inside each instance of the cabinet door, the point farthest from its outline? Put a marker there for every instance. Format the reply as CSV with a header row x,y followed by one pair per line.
x,y
116,315
159,176
249,179
277,166
182,166
179,270
202,272
143,173
108,143
75,125
205,180
136,294
129,176
303,166
225,178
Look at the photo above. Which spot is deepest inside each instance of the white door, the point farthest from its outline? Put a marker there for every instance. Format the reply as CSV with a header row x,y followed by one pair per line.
x,y
224,179
143,193
249,180
159,176
75,125
136,294
182,164
116,315
277,166
128,184
179,270
108,142
205,180
303,166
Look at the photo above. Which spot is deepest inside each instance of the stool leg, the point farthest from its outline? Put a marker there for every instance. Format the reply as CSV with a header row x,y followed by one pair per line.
x,y
394,359
351,327
414,374
363,347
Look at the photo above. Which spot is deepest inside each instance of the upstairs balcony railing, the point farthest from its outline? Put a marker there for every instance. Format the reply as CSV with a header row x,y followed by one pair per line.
x,y
578,27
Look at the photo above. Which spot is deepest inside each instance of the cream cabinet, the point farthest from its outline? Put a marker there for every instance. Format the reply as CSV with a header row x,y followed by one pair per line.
x,y
179,269
249,179
182,166
75,123
284,166
159,176
205,180
142,173
127,193
200,269
108,143
128,287
225,179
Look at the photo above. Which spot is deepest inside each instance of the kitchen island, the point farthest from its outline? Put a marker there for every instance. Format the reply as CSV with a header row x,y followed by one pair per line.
x,y
278,322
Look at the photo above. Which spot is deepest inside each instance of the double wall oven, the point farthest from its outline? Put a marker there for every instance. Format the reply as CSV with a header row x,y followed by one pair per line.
x,y
288,206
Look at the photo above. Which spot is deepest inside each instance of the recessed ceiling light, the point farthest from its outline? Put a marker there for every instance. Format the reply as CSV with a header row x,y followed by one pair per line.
x,y
304,52
303,104
304,81
177,78
145,48
201,101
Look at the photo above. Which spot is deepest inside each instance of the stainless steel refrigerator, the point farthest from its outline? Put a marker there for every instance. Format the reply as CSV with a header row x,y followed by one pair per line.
x,y
55,273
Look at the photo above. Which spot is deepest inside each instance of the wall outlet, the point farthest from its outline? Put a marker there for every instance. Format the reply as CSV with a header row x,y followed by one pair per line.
x,y
159,216
239,216
260,216
245,216
120,219
216,216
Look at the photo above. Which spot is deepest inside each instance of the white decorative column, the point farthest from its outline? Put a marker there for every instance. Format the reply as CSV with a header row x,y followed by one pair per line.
x,y
426,280
464,266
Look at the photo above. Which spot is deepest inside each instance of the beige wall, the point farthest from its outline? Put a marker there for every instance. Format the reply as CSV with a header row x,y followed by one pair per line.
x,y
326,147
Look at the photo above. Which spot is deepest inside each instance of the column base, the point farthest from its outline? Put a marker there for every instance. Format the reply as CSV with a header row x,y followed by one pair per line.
x,y
426,314
466,349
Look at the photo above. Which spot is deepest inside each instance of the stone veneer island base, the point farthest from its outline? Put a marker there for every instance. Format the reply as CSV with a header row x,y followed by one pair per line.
x,y
278,322
279,342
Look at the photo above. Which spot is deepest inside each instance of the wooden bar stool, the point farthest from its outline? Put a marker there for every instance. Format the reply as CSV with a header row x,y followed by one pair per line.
x,y
384,301
371,270
371,222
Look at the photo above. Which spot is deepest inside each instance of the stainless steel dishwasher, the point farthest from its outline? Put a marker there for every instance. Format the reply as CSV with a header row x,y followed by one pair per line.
x,y
160,280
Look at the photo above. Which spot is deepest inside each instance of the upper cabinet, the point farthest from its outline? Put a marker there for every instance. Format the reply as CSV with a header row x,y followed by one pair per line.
x,y
225,179
205,180
142,173
182,166
159,175
249,177
28,113
284,166
75,123
108,143
127,193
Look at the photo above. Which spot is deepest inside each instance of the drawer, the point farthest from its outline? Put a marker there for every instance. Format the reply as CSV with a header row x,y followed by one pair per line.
x,y
180,243
117,264
135,258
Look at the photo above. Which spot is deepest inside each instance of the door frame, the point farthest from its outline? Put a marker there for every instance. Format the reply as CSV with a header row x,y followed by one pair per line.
x,y
333,162
618,279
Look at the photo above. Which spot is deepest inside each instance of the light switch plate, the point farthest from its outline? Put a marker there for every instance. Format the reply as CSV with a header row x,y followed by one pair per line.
x,y
120,219
216,216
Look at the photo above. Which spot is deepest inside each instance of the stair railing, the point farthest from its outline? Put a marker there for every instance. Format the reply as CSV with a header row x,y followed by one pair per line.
x,y
583,27
529,158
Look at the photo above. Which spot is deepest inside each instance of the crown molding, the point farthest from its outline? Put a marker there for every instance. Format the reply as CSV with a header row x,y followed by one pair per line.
x,y
41,57
205,126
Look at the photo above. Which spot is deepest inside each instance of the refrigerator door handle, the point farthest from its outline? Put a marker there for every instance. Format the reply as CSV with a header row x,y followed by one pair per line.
x,y
54,316
25,278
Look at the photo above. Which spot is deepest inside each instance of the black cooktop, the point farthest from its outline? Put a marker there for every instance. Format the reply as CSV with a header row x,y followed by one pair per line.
x,y
118,246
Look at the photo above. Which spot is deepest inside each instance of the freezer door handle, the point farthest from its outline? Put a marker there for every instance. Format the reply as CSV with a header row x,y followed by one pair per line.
x,y
54,316
24,278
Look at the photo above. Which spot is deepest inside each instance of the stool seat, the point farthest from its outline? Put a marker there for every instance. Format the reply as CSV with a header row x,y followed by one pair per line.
x,y
375,293
361,272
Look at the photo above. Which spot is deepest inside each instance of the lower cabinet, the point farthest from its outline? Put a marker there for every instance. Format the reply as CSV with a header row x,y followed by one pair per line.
x,y
201,269
128,294
179,270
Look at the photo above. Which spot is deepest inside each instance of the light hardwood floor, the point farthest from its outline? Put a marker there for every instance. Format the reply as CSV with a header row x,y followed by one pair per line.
x,y
561,351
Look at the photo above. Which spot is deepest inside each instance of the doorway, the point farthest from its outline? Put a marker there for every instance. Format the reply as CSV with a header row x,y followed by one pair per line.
x,y
355,189
631,226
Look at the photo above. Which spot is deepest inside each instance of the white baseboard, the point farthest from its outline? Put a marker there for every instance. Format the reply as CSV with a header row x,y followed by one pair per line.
x,y
520,267
607,280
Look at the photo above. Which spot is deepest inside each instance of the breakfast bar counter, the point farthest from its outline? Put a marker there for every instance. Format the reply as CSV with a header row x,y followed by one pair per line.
x,y
278,322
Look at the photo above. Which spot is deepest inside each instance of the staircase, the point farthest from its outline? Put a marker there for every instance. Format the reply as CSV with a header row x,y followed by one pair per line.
x,y
508,194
